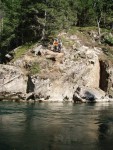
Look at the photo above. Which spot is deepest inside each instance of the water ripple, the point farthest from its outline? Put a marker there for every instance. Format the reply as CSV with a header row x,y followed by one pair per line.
x,y
53,126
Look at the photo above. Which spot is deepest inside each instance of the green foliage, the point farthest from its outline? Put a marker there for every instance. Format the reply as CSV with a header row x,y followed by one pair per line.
x,y
34,68
24,21
73,30
108,40
9,23
67,43
20,51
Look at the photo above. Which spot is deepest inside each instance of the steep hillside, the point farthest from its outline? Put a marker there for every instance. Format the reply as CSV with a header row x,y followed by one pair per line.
x,y
81,72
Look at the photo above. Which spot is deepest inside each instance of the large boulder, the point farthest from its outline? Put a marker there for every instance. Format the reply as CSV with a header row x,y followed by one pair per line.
x,y
12,79
54,55
89,94
38,50
56,90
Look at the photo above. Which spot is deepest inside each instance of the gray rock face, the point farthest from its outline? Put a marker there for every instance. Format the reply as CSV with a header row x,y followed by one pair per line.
x,y
12,79
81,70
38,50
110,81
88,94
76,75
55,90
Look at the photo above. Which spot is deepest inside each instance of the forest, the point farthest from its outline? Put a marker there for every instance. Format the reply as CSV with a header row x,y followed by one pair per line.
x,y
24,21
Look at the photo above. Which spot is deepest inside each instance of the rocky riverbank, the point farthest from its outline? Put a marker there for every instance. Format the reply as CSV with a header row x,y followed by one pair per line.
x,y
80,73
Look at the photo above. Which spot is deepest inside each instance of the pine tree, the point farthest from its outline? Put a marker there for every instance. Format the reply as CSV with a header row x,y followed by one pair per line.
x,y
24,21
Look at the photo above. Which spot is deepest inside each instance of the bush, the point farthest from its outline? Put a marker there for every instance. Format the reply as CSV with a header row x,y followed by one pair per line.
x,y
108,40
34,68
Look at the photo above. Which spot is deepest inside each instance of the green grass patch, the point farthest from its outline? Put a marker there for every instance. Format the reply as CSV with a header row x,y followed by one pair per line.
x,y
104,30
67,42
74,30
34,68
20,51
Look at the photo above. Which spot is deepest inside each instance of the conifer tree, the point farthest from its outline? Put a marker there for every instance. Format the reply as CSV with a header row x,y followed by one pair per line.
x,y
24,21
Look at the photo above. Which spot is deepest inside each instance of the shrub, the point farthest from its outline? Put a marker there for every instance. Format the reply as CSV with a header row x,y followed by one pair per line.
x,y
108,40
34,68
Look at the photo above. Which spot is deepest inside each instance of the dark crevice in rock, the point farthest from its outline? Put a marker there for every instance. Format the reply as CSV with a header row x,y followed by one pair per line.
x,y
30,85
52,58
103,84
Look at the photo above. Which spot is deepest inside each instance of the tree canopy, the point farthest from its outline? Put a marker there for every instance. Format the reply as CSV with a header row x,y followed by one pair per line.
x,y
24,21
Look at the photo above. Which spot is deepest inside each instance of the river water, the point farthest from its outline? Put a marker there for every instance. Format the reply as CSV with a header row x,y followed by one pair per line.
x,y
56,126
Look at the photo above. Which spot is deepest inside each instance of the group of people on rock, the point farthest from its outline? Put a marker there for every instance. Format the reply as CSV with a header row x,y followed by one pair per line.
x,y
57,45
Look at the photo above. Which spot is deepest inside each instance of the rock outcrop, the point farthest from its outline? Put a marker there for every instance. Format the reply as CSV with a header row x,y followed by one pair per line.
x,y
76,74
13,83
80,67
90,94
12,79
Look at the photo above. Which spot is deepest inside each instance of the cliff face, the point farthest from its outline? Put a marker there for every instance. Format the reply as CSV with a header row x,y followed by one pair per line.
x,y
79,67
12,79
78,73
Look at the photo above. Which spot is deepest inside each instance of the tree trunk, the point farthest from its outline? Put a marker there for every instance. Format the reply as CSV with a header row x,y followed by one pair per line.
x,y
43,31
98,24
1,26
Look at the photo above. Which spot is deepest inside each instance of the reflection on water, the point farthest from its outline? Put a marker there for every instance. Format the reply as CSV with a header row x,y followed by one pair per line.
x,y
56,126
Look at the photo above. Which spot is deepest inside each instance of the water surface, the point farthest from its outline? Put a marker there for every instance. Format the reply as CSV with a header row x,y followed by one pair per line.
x,y
56,126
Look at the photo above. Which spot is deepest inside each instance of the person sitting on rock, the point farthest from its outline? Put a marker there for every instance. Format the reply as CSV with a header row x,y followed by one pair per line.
x,y
59,46
55,45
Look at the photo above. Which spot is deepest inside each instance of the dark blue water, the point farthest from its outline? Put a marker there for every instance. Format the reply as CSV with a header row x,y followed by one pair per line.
x,y
56,126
